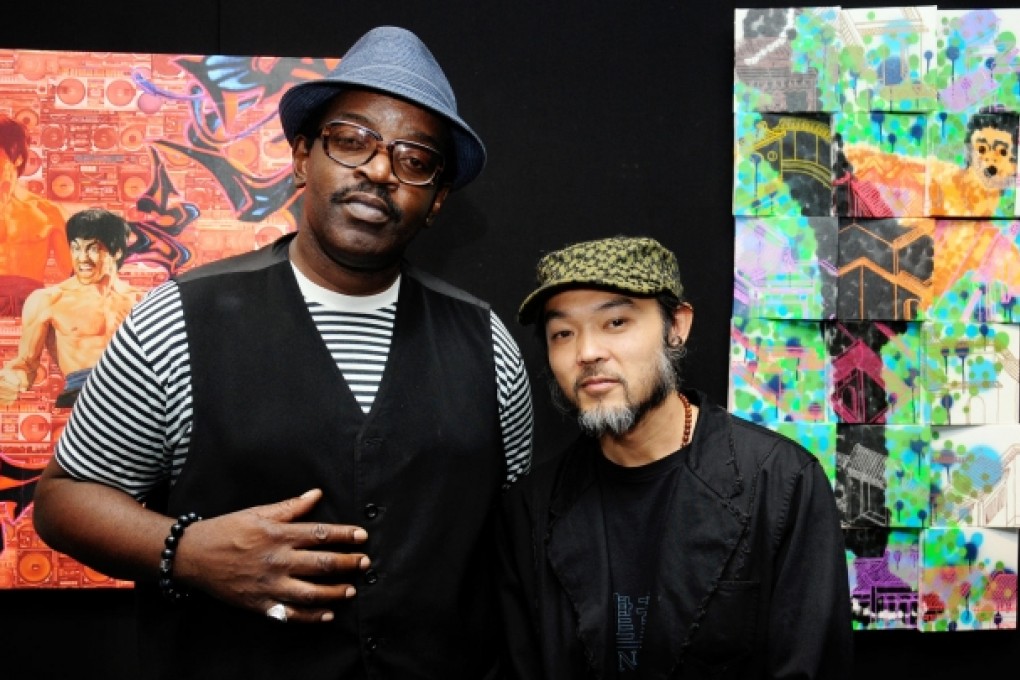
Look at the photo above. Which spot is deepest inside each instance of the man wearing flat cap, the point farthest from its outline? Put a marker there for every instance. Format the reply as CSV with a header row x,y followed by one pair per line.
x,y
671,540
298,453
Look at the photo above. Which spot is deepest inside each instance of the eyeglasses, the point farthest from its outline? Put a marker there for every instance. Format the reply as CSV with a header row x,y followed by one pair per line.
x,y
352,145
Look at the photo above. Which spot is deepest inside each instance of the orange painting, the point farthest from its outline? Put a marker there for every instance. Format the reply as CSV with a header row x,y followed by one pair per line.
x,y
117,171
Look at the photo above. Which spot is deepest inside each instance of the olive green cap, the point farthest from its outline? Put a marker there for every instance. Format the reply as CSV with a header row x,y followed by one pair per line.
x,y
636,265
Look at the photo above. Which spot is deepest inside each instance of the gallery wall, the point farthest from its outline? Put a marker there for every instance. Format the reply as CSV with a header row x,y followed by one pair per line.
x,y
600,117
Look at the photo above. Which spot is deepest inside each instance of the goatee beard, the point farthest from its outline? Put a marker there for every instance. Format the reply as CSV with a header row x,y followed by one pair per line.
x,y
617,421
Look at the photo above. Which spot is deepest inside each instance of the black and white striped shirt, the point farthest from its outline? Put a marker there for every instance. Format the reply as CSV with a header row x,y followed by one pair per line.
x,y
131,425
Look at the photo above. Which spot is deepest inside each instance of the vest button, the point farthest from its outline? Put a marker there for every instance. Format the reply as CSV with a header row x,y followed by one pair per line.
x,y
371,576
371,644
371,510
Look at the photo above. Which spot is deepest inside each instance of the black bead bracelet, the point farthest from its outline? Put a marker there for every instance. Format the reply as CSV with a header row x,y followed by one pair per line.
x,y
166,563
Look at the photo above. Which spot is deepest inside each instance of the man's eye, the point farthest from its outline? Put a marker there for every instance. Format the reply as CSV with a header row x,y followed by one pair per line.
x,y
982,148
1002,152
349,142
616,323
559,335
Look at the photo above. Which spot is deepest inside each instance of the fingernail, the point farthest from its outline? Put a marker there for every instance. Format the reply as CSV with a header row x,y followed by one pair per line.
x,y
309,493
360,534
351,592
327,617
364,563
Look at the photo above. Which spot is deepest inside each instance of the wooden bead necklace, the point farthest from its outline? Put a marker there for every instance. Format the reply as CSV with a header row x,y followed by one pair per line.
x,y
688,416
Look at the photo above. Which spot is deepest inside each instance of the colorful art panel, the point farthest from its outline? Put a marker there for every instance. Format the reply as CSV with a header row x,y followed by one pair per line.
x,y
886,58
976,476
186,156
977,272
782,165
818,438
778,371
785,267
968,579
978,58
783,58
883,475
884,567
885,268
880,164
972,163
875,371
970,373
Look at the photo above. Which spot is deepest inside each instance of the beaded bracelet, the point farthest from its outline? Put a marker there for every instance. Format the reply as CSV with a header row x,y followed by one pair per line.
x,y
166,564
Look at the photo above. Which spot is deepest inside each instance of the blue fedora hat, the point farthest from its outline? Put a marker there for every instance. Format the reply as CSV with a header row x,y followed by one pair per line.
x,y
392,61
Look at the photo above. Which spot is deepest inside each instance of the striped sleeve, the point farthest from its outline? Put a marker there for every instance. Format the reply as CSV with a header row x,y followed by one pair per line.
x,y
131,425
515,411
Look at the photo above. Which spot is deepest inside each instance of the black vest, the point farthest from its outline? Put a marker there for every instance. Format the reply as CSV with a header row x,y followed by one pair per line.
x,y
273,417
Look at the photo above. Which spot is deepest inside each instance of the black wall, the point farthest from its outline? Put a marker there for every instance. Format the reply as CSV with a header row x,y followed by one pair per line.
x,y
600,117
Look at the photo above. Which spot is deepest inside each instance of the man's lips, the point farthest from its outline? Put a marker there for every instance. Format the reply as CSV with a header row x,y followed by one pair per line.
x,y
597,384
367,208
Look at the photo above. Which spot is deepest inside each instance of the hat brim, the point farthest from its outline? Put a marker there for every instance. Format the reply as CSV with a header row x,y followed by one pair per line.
x,y
529,310
302,100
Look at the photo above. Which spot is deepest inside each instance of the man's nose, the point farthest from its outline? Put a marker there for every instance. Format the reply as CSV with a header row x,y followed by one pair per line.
x,y
589,348
379,168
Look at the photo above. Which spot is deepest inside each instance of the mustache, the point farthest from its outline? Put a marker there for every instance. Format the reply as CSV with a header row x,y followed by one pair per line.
x,y
595,370
365,187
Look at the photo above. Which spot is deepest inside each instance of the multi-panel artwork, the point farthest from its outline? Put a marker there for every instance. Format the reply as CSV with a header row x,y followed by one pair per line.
x,y
876,282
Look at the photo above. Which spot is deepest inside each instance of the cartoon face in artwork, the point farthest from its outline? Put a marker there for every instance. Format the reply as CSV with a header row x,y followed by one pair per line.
x,y
92,260
991,158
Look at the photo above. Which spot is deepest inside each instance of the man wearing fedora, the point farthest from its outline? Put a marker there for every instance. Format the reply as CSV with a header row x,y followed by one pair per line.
x,y
297,453
671,540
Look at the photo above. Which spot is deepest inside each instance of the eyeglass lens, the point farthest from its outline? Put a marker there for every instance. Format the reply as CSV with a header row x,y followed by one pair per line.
x,y
352,145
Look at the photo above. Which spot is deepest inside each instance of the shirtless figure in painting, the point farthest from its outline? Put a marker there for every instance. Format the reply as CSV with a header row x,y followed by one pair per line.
x,y
31,227
76,318
974,190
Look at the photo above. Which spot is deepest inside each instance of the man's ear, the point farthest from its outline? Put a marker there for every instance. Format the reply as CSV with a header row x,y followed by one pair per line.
x,y
437,204
299,156
683,319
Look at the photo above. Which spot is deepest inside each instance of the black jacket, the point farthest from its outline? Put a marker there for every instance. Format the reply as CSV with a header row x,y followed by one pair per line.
x,y
752,581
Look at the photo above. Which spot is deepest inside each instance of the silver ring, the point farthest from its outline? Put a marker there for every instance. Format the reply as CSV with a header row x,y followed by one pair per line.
x,y
278,612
